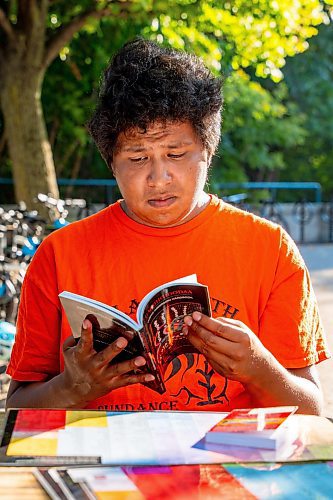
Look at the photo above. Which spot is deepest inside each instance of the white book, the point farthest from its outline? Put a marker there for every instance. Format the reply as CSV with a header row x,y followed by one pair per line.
x,y
268,428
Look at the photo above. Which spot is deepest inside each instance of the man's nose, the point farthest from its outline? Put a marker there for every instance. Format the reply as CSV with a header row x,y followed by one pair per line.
x,y
159,174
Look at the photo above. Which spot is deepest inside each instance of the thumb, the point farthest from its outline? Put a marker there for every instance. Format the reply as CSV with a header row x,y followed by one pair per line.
x,y
68,343
86,339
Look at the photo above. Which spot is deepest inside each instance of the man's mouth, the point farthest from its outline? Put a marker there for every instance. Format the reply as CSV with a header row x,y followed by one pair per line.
x,y
162,201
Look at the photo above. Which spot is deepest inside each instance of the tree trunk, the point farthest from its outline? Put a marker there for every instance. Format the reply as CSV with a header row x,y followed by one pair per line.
x,y
25,54
28,145
22,68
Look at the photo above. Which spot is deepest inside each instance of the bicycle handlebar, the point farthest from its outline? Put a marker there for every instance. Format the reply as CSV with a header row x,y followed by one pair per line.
x,y
59,204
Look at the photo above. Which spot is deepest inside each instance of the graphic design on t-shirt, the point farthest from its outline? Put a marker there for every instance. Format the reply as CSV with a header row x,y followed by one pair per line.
x,y
211,394
221,308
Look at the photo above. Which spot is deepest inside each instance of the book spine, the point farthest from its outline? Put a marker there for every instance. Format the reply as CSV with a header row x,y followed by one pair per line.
x,y
157,384
235,439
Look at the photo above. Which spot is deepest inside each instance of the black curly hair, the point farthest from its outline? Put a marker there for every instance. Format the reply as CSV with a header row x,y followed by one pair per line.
x,y
145,83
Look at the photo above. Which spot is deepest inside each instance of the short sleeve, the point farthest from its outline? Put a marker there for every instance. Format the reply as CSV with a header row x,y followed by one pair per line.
x,y
35,355
290,326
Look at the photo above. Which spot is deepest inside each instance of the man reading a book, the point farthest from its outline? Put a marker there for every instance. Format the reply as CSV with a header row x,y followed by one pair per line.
x,y
157,125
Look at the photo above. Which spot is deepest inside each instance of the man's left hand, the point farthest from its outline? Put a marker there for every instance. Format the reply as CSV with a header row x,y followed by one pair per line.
x,y
231,348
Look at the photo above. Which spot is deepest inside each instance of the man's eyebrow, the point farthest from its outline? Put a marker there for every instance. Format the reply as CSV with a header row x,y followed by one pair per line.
x,y
133,149
139,148
174,145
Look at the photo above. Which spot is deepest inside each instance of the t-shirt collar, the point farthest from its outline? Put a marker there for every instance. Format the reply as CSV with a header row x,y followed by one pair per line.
x,y
199,219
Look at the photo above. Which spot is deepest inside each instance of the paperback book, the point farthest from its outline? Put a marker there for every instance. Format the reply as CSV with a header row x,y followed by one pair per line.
x,y
268,428
157,332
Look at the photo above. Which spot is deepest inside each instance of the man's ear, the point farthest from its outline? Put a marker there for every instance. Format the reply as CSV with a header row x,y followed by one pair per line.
x,y
111,168
209,159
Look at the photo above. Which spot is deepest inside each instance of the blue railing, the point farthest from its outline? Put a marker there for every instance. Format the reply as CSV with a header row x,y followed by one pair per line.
x,y
107,184
273,187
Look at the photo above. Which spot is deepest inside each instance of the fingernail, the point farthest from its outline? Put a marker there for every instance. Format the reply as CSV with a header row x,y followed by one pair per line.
x,y
140,361
121,342
149,377
185,330
188,320
197,316
85,324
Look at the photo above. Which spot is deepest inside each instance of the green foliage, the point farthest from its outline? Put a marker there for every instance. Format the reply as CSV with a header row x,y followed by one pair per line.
x,y
227,34
309,79
258,130
270,130
241,33
77,72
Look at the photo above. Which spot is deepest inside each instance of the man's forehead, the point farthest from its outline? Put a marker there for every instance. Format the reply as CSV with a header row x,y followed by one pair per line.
x,y
171,135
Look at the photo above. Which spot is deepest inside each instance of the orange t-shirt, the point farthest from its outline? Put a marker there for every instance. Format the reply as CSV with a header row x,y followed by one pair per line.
x,y
253,270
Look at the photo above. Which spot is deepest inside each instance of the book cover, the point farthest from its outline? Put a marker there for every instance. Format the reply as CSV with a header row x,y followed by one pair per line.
x,y
157,332
255,428
51,486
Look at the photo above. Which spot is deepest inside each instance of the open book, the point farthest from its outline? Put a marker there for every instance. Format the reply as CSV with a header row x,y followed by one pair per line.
x,y
158,330
269,428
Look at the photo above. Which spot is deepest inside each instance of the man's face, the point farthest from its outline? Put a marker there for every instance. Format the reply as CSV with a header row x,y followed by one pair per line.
x,y
161,173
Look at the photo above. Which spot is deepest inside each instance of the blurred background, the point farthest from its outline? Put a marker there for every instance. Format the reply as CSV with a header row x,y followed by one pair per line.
x,y
275,56
275,156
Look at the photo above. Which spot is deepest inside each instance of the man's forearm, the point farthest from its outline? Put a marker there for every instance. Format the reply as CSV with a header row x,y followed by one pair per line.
x,y
278,386
50,394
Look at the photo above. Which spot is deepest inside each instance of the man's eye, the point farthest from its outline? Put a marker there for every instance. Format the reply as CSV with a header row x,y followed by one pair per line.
x,y
173,155
138,160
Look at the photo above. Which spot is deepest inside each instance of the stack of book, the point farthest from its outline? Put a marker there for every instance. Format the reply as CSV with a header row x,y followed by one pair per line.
x,y
264,428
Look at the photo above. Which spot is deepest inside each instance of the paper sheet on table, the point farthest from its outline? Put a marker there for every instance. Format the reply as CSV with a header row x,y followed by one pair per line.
x,y
196,482
149,438
142,438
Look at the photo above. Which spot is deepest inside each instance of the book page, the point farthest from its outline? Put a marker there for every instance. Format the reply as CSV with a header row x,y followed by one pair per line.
x,y
107,326
76,305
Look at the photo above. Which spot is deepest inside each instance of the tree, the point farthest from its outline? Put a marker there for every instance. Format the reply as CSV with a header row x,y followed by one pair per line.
x,y
258,131
33,33
28,45
309,79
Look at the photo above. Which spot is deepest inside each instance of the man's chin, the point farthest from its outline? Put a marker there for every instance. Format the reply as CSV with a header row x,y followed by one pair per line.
x,y
161,219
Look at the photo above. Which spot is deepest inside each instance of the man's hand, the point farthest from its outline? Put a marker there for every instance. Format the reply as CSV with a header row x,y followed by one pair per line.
x,y
231,348
235,352
89,375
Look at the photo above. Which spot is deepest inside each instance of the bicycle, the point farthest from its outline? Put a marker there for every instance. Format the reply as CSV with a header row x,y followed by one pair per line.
x,y
59,209
238,201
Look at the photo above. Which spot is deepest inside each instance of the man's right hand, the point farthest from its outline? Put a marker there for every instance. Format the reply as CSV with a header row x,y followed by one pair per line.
x,y
89,375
